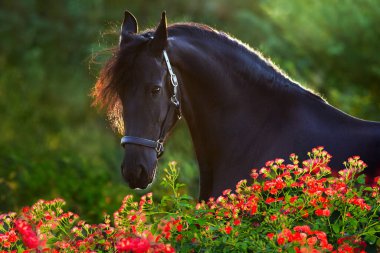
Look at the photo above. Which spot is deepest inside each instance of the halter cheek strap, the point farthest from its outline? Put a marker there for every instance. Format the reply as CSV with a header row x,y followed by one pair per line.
x,y
159,144
174,82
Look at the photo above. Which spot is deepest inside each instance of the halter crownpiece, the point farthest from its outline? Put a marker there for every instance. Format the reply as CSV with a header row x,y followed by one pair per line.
x,y
159,144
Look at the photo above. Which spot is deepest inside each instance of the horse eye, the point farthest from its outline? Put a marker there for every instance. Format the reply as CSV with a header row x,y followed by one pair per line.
x,y
156,90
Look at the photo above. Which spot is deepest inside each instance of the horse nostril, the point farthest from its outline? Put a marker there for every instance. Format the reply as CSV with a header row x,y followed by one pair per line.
x,y
139,171
142,173
138,177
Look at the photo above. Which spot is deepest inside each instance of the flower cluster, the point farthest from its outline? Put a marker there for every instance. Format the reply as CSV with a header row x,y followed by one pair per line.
x,y
46,228
294,207
303,239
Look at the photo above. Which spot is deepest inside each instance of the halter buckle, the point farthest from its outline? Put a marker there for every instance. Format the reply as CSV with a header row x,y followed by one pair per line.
x,y
174,80
175,101
159,147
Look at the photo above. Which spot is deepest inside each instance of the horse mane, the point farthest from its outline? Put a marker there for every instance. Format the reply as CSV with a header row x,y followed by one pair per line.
x,y
274,77
114,75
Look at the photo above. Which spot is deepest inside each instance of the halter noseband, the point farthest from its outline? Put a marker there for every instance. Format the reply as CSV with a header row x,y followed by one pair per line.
x,y
159,144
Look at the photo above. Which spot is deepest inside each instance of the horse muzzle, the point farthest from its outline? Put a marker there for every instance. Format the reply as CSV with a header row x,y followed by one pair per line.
x,y
139,169
139,177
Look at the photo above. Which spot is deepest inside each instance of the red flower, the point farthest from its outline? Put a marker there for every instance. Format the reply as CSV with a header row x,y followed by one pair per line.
x,y
269,163
305,228
281,240
376,180
12,237
179,238
48,216
256,187
270,200
29,237
273,191
312,241
323,212
270,235
179,227
293,199
138,245
237,222
254,174
6,244
25,209
305,214
227,192
360,202
228,229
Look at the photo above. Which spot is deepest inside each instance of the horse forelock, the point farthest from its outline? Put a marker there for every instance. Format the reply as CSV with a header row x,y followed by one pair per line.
x,y
114,76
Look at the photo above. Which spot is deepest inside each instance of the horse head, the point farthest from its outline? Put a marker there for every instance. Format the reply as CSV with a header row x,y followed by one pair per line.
x,y
146,88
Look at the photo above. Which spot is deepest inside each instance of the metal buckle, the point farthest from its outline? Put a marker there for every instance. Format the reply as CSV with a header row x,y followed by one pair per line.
x,y
174,80
160,146
174,101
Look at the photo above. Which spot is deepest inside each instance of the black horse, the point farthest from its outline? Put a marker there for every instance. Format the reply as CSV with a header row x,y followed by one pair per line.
x,y
241,110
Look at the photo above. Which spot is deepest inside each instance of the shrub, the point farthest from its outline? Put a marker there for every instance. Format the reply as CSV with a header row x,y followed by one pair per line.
x,y
295,207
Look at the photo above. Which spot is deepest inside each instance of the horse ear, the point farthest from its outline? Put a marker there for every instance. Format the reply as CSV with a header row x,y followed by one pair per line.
x,y
160,39
128,28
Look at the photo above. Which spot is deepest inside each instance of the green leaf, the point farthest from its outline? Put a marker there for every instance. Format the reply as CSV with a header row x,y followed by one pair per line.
x,y
336,228
178,185
371,239
186,197
20,249
361,179
187,205
353,222
165,199
52,240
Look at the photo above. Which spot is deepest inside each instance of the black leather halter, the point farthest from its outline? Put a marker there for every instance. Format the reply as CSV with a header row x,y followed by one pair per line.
x,y
158,145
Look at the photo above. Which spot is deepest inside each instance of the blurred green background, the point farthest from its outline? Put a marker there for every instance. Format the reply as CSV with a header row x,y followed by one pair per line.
x,y
54,144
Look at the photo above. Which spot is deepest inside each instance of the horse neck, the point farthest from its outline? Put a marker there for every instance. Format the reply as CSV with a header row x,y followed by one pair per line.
x,y
225,98
221,82
237,111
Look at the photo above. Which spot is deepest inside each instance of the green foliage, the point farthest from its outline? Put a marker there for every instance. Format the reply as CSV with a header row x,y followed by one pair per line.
x,y
54,144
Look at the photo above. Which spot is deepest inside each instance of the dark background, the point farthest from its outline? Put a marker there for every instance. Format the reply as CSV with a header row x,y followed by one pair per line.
x,y
54,144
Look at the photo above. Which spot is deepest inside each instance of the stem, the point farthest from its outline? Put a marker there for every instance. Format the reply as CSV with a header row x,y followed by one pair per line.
x,y
328,219
343,218
373,233
374,213
377,222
